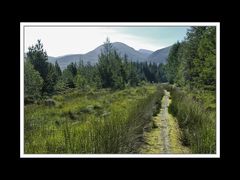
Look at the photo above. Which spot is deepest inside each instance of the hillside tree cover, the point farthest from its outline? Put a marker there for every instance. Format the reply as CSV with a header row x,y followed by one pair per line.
x,y
192,63
111,71
191,66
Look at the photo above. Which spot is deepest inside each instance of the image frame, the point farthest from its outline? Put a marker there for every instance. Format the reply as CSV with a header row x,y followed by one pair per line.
x,y
24,25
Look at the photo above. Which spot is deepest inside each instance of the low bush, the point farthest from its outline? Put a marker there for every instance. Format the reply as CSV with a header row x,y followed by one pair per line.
x,y
49,102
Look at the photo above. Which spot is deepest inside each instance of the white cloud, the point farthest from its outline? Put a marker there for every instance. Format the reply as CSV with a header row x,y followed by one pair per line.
x,y
75,40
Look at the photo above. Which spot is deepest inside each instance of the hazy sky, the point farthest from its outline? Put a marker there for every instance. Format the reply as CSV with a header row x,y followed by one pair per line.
x,y
58,41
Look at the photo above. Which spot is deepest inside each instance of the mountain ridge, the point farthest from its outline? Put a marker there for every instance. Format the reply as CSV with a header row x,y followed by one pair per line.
x,y
140,55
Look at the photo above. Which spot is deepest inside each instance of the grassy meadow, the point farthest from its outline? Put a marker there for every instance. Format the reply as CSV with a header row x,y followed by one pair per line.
x,y
196,115
102,121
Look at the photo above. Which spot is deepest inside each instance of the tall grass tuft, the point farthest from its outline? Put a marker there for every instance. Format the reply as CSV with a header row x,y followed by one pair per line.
x,y
197,123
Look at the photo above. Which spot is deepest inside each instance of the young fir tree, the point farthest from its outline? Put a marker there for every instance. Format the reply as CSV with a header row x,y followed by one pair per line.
x,y
105,65
38,57
50,80
58,70
32,81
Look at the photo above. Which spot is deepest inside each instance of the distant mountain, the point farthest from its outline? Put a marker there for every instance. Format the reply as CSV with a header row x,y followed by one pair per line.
x,y
145,52
121,48
131,53
159,56
63,61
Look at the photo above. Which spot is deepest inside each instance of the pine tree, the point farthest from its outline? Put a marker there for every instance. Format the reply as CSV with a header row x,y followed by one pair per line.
x,y
68,79
133,76
58,70
50,80
32,82
81,82
38,57
193,38
161,73
72,67
172,63
207,59
105,65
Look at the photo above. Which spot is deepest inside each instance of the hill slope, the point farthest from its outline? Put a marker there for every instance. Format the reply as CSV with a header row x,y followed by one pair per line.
x,y
142,55
160,56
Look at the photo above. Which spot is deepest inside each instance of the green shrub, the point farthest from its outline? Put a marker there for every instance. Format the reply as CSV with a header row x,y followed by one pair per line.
x,y
49,102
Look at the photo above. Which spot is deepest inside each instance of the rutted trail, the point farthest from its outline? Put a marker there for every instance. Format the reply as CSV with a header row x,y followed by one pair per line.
x,y
164,138
164,122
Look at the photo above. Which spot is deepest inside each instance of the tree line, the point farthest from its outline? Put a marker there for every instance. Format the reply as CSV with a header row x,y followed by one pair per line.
x,y
192,62
42,78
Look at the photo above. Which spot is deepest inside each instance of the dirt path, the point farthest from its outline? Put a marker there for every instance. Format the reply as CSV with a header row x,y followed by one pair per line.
x,y
165,137
164,122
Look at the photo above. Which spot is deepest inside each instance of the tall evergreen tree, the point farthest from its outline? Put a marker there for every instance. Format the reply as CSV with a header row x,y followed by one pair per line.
x,y
50,80
172,63
38,57
105,65
161,73
58,70
32,81
133,76
206,61
193,38
68,79
72,67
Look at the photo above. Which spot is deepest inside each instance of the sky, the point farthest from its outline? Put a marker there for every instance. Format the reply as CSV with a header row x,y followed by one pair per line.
x,y
59,41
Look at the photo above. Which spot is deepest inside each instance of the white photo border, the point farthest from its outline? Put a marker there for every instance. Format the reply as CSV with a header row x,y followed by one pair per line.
x,y
23,25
